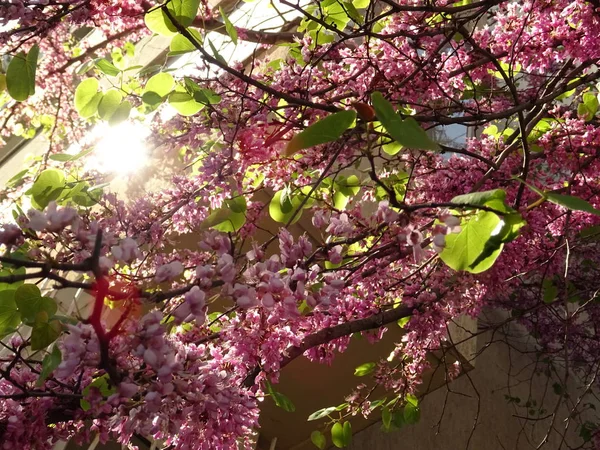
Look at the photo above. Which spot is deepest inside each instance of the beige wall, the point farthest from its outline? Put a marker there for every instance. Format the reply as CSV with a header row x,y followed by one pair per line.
x,y
473,413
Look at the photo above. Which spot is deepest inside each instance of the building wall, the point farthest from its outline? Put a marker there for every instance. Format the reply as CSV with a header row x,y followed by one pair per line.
x,y
473,412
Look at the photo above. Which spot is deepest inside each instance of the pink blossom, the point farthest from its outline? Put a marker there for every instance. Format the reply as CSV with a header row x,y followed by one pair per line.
x,y
168,271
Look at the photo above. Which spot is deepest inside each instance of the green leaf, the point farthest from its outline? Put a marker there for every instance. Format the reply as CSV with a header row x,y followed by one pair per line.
x,y
7,272
121,113
337,435
44,332
17,179
47,187
462,249
233,223
87,98
321,413
402,322
508,232
572,203
62,157
283,402
184,103
10,318
282,208
412,413
161,84
591,102
49,364
106,67
353,13
215,52
30,303
109,104
231,31
201,95
237,204
183,11
391,147
411,399
549,290
325,130
386,417
349,186
229,218
365,369
158,22
480,198
103,385
584,112
406,132
20,74
181,44
590,232
347,433
586,431
318,439
83,194
216,217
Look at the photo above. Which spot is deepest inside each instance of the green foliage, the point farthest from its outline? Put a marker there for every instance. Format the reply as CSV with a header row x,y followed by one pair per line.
x,y
121,113
160,84
463,249
341,434
48,186
549,290
386,417
480,198
231,31
412,412
318,439
229,218
44,331
7,271
106,67
49,364
87,97
10,318
344,189
103,385
509,231
483,234
588,108
280,400
201,95
335,13
20,74
587,431
183,11
324,412
184,103
365,369
284,205
406,132
323,131
397,183
283,402
109,104
30,303
181,44
571,202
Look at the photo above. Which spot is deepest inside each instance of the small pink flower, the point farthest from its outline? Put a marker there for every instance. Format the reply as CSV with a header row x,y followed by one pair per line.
x,y
168,272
